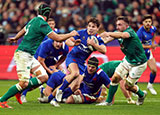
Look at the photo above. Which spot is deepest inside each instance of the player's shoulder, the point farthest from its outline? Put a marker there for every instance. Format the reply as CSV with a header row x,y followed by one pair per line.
x,y
153,28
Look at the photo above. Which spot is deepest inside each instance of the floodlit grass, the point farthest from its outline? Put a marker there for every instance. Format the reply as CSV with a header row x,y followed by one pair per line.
x,y
151,105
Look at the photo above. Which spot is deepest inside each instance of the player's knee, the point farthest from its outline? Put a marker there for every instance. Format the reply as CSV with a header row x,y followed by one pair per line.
x,y
116,79
154,71
43,78
69,100
23,84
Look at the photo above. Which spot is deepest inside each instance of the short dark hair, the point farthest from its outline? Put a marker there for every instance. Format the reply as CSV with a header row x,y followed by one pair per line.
x,y
124,18
94,20
147,16
51,19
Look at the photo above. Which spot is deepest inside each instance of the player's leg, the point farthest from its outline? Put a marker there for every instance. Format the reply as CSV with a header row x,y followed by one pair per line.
x,y
74,72
133,77
77,97
152,65
23,61
126,93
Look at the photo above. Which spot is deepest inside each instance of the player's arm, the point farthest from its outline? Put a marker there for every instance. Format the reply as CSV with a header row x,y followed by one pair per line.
x,y
41,60
18,35
62,37
106,39
123,35
59,62
72,42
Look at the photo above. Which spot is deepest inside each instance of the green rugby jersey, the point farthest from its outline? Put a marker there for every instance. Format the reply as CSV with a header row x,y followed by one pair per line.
x,y
36,30
132,48
109,67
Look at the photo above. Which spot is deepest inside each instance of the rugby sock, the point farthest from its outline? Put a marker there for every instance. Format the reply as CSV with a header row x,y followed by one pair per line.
x,y
67,93
112,91
64,85
34,82
11,92
140,93
152,77
50,97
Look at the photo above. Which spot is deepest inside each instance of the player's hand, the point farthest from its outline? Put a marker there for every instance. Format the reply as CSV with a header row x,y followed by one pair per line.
x,y
104,34
12,40
154,46
77,42
74,33
90,41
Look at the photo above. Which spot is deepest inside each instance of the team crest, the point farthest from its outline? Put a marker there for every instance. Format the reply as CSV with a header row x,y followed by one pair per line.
x,y
83,38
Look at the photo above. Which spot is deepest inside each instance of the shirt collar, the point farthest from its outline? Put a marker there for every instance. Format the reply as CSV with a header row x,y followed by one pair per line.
x,y
40,17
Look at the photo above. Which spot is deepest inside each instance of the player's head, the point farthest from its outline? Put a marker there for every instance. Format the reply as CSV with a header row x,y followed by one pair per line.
x,y
147,21
51,23
92,65
122,23
44,10
93,26
57,45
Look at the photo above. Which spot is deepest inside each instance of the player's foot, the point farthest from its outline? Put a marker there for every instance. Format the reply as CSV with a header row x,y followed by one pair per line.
x,y
43,100
141,99
130,101
4,105
23,99
151,89
18,97
41,88
104,104
54,103
59,94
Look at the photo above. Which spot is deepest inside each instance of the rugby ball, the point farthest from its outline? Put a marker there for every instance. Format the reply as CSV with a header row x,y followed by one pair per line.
x,y
95,40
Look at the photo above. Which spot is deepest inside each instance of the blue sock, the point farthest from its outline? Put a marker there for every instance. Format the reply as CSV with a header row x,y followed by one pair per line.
x,y
152,77
25,91
50,97
42,90
67,93
64,85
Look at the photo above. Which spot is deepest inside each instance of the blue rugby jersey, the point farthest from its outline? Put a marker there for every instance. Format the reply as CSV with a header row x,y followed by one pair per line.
x,y
82,52
51,55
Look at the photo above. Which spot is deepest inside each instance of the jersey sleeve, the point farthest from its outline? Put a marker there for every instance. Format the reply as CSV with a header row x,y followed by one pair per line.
x,y
104,78
101,42
45,29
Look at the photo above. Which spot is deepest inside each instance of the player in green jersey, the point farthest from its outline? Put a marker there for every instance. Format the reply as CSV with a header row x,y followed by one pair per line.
x,y
34,32
109,68
134,62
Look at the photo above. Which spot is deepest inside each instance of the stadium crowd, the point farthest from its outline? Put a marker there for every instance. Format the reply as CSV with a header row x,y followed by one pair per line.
x,y
74,14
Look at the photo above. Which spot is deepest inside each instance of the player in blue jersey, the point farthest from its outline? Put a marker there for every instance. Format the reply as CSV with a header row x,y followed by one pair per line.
x,y
76,58
51,54
146,34
90,88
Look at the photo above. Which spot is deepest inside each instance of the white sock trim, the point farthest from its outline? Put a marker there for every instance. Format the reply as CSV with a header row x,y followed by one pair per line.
x,y
19,87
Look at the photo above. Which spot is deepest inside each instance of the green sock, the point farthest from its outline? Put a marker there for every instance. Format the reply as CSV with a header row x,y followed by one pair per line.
x,y
112,91
33,82
11,92
140,93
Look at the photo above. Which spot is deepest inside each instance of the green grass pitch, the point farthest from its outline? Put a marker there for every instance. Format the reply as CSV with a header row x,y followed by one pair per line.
x,y
151,105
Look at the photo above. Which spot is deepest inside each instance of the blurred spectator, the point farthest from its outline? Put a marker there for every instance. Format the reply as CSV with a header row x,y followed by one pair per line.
x,y
2,35
91,9
74,14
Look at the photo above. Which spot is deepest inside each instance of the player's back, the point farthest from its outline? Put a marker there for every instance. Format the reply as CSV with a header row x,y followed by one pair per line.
x,y
36,29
